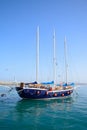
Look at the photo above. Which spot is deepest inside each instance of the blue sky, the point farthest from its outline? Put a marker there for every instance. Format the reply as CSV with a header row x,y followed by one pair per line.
x,y
18,23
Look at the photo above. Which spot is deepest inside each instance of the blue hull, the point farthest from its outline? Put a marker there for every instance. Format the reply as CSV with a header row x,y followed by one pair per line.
x,y
30,93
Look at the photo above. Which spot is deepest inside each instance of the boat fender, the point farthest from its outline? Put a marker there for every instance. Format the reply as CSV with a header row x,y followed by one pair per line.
x,y
62,94
38,92
55,94
46,93
68,92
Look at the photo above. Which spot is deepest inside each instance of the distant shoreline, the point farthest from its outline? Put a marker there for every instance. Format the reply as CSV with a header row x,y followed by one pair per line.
x,y
2,83
80,83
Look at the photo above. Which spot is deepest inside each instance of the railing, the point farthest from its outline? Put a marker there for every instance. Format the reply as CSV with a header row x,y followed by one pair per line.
x,y
3,83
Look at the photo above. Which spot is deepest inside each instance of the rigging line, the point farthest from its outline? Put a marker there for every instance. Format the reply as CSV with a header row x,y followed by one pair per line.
x,y
66,65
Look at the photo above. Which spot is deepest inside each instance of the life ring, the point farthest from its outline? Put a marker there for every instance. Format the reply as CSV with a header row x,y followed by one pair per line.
x,y
55,94
62,94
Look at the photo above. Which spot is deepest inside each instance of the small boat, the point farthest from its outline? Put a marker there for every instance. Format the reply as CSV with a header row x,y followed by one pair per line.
x,y
45,90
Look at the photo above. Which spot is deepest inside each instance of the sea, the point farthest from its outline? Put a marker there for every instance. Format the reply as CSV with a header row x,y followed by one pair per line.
x,y
54,114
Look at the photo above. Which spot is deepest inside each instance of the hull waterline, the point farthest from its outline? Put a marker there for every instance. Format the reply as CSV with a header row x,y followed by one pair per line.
x,y
32,93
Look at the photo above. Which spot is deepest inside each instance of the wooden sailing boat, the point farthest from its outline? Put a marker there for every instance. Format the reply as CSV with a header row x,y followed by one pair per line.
x,y
44,90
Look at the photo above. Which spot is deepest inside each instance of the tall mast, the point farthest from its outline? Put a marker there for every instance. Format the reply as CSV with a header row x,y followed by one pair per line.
x,y
54,57
66,65
37,53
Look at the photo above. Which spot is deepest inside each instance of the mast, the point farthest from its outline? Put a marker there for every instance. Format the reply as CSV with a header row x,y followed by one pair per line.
x,y
54,57
66,65
37,53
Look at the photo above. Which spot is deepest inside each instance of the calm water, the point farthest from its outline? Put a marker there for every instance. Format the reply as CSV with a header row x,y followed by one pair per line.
x,y
18,114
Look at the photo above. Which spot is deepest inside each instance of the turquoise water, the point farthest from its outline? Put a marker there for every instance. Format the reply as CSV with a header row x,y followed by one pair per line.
x,y
68,114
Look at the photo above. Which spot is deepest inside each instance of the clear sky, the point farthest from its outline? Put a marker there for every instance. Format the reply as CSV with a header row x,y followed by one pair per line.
x,y
18,23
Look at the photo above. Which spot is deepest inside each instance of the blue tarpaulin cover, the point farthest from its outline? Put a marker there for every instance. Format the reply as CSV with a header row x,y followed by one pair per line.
x,y
52,82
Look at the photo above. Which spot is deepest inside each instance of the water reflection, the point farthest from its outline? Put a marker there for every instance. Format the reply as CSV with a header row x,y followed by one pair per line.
x,y
37,107
34,110
53,114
